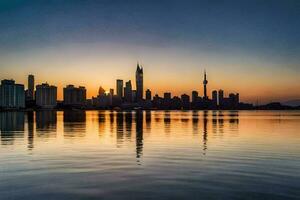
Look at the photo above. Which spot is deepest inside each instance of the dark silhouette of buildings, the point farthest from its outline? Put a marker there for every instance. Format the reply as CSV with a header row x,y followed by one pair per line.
x,y
119,88
12,95
139,83
148,95
205,82
128,92
46,96
30,91
185,100
73,96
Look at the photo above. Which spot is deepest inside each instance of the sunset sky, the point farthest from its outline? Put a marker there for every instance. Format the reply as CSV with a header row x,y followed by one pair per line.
x,y
251,47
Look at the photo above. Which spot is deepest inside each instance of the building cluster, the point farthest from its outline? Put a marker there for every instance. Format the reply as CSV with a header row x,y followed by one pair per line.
x,y
13,96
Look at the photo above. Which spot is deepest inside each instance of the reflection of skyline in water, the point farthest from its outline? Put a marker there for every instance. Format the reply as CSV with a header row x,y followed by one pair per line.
x,y
96,149
121,124
74,123
46,121
30,123
11,125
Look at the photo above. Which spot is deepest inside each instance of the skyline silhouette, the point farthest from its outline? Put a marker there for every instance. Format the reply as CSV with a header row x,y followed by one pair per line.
x,y
128,96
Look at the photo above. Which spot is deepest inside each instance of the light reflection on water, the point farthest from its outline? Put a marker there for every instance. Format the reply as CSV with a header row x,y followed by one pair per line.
x,y
150,154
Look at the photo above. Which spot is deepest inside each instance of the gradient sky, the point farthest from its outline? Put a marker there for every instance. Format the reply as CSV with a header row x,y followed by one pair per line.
x,y
251,47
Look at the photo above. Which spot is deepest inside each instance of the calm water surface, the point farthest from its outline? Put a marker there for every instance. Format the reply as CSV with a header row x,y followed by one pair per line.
x,y
150,155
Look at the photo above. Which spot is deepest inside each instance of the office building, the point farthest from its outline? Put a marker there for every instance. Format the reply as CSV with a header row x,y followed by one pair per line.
x,y
46,95
139,83
215,97
74,96
185,100
119,88
194,96
12,96
128,92
30,90
148,95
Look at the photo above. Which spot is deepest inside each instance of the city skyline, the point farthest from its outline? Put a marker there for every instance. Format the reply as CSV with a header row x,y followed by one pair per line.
x,y
93,43
90,94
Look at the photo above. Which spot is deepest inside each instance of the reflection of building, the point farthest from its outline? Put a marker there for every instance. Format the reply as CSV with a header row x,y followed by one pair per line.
x,y
46,121
74,96
139,133
205,120
11,121
46,95
139,83
30,123
120,128
11,95
74,123
11,125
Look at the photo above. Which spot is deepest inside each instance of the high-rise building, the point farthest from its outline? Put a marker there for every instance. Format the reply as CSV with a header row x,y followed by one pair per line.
x,y
74,96
167,95
234,100
185,100
194,96
30,91
128,91
148,95
101,91
133,95
119,88
205,82
11,95
221,98
46,95
139,83
215,97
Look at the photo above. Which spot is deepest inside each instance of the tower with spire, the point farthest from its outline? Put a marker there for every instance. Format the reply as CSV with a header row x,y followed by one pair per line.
x,y
139,82
205,97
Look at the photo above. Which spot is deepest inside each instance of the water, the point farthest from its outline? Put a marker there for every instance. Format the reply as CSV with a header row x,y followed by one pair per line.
x,y
150,155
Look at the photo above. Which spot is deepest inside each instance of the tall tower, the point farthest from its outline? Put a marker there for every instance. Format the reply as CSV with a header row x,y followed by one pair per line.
x,y
119,88
139,83
204,84
30,94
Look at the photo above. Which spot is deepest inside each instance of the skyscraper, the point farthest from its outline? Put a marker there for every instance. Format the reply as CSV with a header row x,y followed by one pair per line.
x,y
74,96
11,95
119,88
204,84
185,101
30,91
221,98
128,91
46,95
148,95
194,96
215,97
139,83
